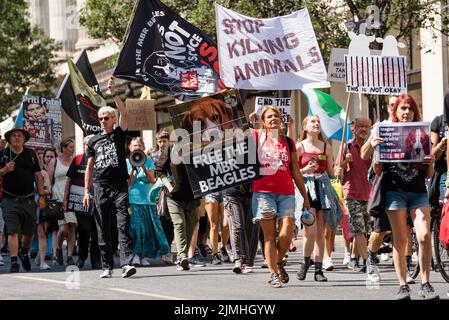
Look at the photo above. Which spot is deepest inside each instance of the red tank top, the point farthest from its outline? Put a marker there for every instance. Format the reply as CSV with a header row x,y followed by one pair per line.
x,y
321,158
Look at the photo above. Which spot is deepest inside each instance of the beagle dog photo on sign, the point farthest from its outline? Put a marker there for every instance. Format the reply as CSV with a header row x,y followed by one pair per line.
x,y
417,145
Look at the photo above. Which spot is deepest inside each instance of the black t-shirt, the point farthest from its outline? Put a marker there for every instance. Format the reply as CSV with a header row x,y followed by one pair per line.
x,y
440,128
20,181
77,169
109,155
405,177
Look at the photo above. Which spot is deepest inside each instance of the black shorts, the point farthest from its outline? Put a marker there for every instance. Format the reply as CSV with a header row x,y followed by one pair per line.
x,y
381,223
20,215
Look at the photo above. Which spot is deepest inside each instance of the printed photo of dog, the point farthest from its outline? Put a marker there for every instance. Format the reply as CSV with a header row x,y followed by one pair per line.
x,y
212,114
417,145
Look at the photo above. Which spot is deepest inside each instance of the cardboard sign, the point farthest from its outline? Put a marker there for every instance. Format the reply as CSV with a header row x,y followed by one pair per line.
x,y
42,119
376,75
280,53
141,114
283,104
6,125
404,141
337,68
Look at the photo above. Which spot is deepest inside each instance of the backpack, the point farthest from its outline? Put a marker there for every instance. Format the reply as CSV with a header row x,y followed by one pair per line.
x,y
444,226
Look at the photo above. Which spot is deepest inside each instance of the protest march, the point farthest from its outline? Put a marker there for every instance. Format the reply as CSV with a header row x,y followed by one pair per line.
x,y
233,140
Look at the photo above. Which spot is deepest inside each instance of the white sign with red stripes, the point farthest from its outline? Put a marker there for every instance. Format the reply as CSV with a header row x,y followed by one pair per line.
x,y
384,75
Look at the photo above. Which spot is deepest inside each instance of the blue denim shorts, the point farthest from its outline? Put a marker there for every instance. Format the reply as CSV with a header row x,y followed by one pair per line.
x,y
214,197
405,200
279,205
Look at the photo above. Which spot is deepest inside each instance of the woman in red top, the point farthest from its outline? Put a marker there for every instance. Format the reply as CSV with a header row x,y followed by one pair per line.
x,y
274,193
315,159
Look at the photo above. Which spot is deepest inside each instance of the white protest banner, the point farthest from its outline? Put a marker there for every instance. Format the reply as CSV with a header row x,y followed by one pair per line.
x,y
404,141
336,69
283,104
6,125
141,114
376,75
279,53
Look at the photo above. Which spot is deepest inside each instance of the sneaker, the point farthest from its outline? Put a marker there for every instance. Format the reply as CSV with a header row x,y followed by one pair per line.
x,y
283,275
106,274
145,262
237,266
225,255
59,259
44,266
167,258
128,271
410,280
195,262
37,260
70,261
264,265
135,261
403,293
353,264
347,258
427,292
183,265
15,267
319,276
80,263
373,274
2,262
216,259
384,257
248,269
363,268
26,263
302,272
4,251
275,281
54,260
327,264
203,250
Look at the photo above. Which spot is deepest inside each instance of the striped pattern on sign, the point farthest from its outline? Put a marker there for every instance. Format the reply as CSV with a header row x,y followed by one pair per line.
x,y
376,71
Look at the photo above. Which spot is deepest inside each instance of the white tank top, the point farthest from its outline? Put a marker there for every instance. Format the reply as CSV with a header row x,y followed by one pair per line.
x,y
60,180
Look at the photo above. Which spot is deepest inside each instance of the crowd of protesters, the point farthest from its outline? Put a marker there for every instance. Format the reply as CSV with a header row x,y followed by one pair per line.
x,y
111,205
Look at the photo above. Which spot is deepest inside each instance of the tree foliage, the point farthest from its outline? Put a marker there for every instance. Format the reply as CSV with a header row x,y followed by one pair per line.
x,y
25,56
108,19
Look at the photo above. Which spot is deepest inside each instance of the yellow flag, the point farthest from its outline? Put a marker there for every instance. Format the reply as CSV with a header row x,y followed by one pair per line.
x,y
146,93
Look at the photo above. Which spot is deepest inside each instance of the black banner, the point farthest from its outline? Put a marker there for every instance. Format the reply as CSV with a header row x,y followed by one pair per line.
x,y
83,109
216,169
167,53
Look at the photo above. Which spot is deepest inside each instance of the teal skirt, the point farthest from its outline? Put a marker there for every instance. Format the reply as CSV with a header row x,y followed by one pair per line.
x,y
146,231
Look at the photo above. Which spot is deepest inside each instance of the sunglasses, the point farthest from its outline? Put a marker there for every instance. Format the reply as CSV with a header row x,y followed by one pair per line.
x,y
103,118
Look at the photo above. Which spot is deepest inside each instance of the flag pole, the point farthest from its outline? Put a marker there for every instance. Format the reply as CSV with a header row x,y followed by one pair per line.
x,y
343,138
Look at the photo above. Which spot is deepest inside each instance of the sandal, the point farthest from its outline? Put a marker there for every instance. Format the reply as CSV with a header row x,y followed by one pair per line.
x,y
283,275
275,281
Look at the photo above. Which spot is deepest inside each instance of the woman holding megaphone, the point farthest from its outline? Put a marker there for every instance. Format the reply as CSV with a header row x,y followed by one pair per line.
x,y
146,230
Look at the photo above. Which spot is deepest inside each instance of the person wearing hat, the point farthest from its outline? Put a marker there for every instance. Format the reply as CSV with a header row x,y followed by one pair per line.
x,y
20,170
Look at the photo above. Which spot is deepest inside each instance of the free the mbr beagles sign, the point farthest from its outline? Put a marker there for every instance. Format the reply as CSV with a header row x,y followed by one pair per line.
x,y
279,53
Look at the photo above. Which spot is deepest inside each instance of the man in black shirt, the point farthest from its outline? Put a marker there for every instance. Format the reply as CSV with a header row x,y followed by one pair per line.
x,y
20,170
106,167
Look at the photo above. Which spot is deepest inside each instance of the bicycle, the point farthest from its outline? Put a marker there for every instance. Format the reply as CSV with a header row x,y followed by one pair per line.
x,y
441,253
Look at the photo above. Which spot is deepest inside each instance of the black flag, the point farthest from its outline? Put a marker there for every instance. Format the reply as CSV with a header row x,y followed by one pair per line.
x,y
68,99
167,53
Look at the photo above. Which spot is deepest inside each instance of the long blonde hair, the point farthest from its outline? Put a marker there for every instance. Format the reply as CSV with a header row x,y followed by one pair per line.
x,y
303,134
276,110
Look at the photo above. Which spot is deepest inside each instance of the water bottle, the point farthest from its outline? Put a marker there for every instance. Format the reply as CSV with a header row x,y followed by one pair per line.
x,y
307,218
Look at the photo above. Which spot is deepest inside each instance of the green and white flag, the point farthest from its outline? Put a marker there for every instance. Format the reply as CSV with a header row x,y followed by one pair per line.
x,y
331,114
